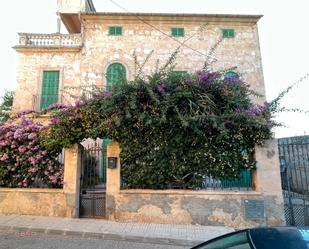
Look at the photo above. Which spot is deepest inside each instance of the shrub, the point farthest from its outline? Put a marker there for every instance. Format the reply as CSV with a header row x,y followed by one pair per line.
x,y
23,161
172,127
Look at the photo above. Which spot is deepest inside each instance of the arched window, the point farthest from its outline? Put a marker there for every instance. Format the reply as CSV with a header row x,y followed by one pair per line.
x,y
116,74
231,74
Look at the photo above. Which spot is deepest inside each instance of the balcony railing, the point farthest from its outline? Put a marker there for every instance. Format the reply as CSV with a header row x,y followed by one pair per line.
x,y
50,40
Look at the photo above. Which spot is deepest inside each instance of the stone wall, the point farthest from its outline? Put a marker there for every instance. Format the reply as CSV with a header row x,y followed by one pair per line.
x,y
225,208
194,207
45,202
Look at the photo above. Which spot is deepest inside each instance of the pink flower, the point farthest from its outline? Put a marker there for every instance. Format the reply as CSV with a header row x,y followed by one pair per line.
x,y
33,170
4,157
22,149
32,136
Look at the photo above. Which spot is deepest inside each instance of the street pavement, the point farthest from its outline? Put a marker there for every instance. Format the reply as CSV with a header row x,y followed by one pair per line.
x,y
22,240
149,233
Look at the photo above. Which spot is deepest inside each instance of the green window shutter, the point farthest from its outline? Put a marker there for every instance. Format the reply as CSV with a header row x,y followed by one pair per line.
x,y
106,141
115,30
228,33
178,32
180,72
50,87
116,74
231,74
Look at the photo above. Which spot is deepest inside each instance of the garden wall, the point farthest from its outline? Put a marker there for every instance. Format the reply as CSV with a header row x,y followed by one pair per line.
x,y
216,208
237,209
45,202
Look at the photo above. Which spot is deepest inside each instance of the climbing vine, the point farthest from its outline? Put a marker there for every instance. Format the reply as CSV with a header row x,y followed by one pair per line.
x,y
171,127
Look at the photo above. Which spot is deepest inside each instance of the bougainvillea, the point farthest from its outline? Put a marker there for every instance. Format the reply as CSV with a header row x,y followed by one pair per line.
x,y
23,161
172,127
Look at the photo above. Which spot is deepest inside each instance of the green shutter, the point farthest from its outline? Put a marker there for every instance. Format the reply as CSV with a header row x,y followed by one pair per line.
x,y
116,74
231,74
178,32
180,72
50,87
228,33
106,141
115,30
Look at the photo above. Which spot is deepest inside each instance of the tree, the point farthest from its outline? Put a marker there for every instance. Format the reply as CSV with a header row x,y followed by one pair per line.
x,y
6,106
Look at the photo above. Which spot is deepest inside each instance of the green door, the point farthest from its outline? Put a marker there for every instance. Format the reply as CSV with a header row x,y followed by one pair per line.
x,y
50,88
116,74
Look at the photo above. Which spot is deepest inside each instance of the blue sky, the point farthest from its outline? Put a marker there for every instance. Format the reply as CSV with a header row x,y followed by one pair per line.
x,y
284,40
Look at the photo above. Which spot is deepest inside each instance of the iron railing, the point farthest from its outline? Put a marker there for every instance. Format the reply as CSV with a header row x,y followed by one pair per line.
x,y
242,183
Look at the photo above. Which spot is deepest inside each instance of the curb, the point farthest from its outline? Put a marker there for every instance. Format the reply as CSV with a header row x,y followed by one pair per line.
x,y
107,236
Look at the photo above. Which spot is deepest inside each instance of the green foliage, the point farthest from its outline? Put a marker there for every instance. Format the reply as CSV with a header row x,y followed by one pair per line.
x,y
6,106
171,127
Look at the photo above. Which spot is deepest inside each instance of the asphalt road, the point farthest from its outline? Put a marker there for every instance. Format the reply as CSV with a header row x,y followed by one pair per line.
x,y
20,240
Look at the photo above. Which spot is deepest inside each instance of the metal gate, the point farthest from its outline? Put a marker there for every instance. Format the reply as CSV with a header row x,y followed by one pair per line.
x,y
294,165
92,181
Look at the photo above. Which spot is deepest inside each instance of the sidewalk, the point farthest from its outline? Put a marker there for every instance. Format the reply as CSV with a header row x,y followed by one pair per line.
x,y
182,235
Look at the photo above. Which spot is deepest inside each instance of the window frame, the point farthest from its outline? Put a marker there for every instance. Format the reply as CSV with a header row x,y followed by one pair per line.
x,y
40,102
228,33
108,84
209,242
113,30
175,32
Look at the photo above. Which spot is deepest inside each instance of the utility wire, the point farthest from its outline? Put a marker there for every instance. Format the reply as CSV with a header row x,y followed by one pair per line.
x,y
162,32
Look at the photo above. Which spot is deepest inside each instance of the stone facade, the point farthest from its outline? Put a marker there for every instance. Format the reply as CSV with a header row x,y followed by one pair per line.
x,y
84,63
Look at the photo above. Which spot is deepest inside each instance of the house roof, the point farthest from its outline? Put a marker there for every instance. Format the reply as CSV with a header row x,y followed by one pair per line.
x,y
174,16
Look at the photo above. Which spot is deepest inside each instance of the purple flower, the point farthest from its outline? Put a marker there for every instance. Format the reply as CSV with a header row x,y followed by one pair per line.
x,y
208,78
24,112
105,94
54,121
79,103
57,106
256,110
32,136
161,89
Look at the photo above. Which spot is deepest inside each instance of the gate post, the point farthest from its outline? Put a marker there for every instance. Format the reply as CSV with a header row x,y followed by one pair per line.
x,y
267,181
112,180
71,180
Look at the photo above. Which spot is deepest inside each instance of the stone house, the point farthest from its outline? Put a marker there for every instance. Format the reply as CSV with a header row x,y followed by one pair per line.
x,y
99,50
100,47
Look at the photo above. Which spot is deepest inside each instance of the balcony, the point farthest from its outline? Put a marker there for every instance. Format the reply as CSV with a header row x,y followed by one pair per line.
x,y
49,41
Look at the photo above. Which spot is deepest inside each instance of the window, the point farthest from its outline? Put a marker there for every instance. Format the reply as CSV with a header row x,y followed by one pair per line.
x,y
115,30
231,74
180,72
237,240
116,74
228,33
178,32
50,87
